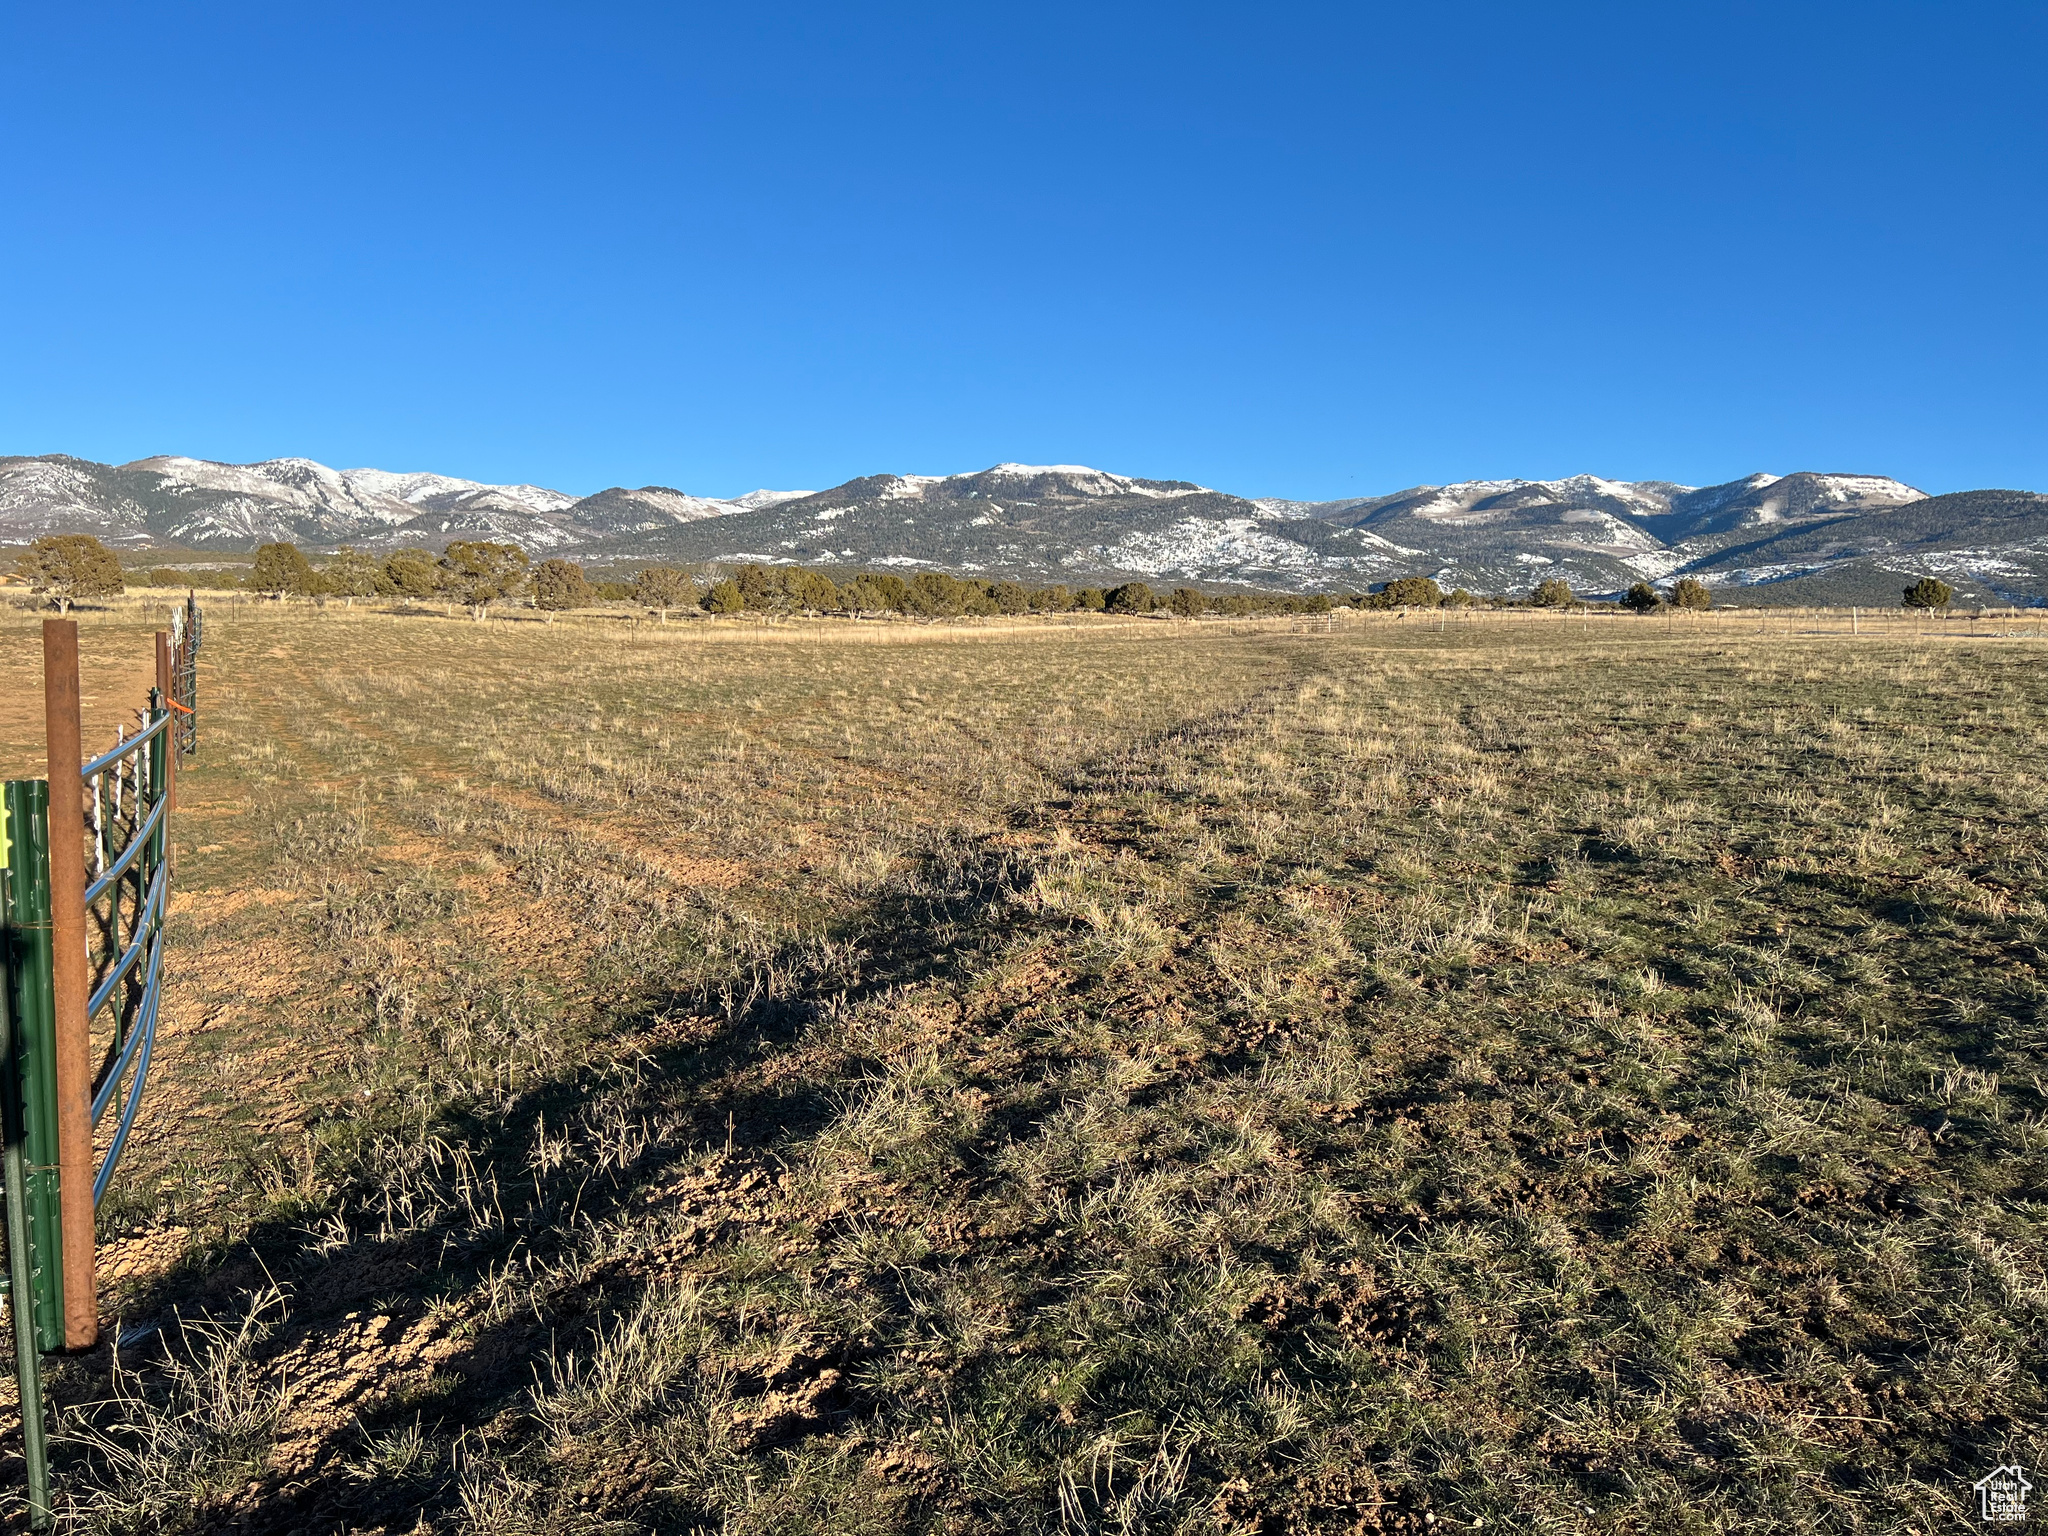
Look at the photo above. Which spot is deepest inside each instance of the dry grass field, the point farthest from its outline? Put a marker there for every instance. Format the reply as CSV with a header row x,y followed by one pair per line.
x,y
1124,1077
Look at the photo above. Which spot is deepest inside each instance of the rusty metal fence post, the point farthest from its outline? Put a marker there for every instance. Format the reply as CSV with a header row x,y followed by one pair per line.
x,y
70,979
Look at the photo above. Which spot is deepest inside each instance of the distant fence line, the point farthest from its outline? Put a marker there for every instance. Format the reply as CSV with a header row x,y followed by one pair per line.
x,y
1854,619
894,629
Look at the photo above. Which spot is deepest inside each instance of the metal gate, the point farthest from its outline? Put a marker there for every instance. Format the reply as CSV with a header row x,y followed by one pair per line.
x,y
85,871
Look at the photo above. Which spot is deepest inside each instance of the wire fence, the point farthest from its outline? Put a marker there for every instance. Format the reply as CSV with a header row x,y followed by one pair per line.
x,y
85,874
186,625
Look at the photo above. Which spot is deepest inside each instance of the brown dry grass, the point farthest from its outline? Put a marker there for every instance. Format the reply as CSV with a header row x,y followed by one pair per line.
x,y
1149,1078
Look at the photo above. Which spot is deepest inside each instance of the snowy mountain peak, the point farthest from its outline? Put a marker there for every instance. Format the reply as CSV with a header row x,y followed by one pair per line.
x,y
1752,499
1075,523
422,488
754,500
907,487
1027,471
1058,480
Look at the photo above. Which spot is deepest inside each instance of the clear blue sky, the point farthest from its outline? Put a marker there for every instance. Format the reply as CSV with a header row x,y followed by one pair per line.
x,y
1283,250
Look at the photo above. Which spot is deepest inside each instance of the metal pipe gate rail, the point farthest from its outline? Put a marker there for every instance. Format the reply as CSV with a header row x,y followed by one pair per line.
x,y
85,872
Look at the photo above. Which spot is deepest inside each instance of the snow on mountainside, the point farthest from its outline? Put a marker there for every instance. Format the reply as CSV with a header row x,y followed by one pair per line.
x,y
1029,485
1763,498
419,488
375,494
754,500
295,482
651,506
1062,480
170,499
59,494
1601,534
1808,534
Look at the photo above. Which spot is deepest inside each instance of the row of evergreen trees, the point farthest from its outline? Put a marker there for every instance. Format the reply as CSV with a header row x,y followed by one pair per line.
x,y
480,573
936,595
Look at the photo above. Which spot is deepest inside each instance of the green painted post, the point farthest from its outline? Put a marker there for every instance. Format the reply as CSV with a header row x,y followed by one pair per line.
x,y
14,1178
35,1049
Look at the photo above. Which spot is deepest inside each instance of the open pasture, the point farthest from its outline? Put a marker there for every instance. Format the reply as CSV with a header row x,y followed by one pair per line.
x,y
1130,1077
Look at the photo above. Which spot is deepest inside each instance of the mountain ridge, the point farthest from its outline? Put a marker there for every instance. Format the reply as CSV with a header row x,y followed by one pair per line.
x,y
1762,532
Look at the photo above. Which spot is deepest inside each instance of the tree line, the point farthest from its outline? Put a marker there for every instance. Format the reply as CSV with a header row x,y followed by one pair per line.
x,y
479,574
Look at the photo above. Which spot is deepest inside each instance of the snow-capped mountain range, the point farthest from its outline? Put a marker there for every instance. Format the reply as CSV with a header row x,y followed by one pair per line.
x,y
197,504
1777,535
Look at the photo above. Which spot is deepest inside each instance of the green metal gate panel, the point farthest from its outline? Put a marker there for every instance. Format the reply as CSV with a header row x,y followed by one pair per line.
x,y
31,1057
34,1273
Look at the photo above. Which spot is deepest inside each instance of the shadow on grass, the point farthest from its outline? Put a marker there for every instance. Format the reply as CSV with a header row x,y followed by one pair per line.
x,y
363,1308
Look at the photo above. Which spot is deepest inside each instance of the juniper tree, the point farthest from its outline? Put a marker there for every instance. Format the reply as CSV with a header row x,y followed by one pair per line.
x,y
935,595
662,587
478,572
1929,592
864,594
894,589
559,584
282,571
1054,599
1131,597
760,588
353,574
812,591
1410,592
70,566
412,573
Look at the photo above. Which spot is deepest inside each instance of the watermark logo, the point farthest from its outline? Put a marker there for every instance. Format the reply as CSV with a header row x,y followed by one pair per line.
x,y
2002,1495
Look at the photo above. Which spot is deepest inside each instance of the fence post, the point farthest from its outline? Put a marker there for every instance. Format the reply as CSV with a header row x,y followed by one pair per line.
x,y
187,692
22,1280
162,755
167,692
29,956
69,979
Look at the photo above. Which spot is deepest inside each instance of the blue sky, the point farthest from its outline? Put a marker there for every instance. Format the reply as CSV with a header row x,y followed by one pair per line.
x,y
1282,250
